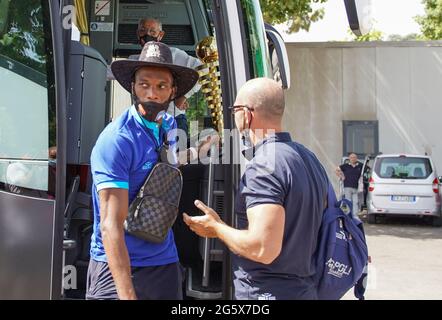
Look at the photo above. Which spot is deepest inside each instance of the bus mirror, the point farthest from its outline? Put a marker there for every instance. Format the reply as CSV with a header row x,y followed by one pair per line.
x,y
4,10
359,14
279,57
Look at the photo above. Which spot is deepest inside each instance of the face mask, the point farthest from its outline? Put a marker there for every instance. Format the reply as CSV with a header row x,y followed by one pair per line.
x,y
247,141
147,38
249,149
154,111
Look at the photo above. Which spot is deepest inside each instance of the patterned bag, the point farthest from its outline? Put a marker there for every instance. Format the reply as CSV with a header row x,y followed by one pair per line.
x,y
155,209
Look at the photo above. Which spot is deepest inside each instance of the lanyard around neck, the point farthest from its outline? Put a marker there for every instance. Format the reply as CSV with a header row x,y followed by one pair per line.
x,y
148,130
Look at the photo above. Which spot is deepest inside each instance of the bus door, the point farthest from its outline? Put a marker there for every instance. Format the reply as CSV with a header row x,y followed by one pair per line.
x,y
31,169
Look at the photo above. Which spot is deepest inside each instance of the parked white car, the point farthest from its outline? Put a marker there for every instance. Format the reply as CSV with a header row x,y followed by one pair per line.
x,y
406,185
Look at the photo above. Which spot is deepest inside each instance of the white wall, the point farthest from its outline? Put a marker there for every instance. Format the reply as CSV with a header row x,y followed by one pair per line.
x,y
398,84
315,119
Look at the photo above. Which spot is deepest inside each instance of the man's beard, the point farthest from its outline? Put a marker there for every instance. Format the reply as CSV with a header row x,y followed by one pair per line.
x,y
154,111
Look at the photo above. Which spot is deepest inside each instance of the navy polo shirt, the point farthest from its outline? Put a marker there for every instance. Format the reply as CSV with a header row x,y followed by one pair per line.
x,y
285,173
352,174
123,157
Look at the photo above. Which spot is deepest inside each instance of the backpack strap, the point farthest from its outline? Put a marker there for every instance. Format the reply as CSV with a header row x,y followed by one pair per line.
x,y
331,196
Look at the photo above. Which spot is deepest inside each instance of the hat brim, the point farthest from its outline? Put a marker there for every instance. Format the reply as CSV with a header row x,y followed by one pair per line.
x,y
185,78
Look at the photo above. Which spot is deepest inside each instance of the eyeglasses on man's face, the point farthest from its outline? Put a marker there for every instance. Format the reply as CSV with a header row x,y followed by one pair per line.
x,y
237,108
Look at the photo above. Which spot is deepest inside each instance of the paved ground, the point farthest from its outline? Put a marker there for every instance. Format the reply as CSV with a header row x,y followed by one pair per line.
x,y
406,260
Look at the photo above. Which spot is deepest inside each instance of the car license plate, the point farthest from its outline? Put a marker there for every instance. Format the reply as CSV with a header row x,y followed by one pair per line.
x,y
403,198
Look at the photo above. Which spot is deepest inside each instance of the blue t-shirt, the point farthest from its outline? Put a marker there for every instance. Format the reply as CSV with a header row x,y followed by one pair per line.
x,y
123,157
287,174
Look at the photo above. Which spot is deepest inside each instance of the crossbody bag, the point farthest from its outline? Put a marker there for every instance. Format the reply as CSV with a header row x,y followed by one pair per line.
x,y
154,211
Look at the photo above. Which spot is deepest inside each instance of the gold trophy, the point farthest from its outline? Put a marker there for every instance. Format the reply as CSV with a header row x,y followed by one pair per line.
x,y
210,80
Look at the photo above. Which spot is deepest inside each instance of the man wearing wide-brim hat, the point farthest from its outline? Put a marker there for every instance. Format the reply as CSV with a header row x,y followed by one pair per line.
x,y
123,266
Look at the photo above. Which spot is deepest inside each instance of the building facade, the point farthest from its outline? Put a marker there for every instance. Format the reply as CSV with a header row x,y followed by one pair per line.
x,y
367,98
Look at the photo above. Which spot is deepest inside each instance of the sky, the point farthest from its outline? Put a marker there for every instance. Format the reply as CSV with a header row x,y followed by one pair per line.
x,y
388,16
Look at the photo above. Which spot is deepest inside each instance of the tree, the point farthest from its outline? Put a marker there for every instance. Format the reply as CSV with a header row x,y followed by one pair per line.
x,y
431,22
23,38
373,35
408,37
299,14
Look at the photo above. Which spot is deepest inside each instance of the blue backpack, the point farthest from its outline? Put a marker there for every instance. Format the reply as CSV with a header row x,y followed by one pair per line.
x,y
342,252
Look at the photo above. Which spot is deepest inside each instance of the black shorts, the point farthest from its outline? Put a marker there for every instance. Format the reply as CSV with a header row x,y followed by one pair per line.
x,y
150,283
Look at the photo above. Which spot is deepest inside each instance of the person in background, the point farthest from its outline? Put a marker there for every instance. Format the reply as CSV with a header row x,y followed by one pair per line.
x,y
350,173
150,29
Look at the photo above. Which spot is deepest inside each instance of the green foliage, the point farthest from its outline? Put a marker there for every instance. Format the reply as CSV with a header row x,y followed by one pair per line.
x,y
24,40
299,14
408,37
431,22
373,35
6,41
197,108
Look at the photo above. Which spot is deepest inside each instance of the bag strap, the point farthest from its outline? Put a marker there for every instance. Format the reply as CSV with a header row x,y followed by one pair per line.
x,y
331,196
162,139
158,147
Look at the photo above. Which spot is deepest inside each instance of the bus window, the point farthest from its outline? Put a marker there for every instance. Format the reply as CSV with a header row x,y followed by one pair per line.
x,y
27,124
259,60
198,113
278,56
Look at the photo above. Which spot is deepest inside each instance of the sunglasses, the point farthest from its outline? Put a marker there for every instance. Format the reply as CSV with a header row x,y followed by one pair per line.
x,y
236,108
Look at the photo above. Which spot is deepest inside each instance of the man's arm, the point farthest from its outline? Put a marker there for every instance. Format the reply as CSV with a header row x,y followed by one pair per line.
x,y
189,155
114,204
340,173
261,242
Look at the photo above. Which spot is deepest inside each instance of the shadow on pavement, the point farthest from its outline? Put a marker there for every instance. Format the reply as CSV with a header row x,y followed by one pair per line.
x,y
403,227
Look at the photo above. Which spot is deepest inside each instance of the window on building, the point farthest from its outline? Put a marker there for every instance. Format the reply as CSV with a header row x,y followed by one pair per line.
x,y
361,137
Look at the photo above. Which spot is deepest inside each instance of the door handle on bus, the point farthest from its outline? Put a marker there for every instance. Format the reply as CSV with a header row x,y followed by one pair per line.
x,y
69,244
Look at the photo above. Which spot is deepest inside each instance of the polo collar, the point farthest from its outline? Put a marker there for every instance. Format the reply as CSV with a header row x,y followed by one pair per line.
x,y
152,127
273,138
276,137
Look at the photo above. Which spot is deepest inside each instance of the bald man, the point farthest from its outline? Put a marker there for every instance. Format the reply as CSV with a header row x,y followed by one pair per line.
x,y
279,204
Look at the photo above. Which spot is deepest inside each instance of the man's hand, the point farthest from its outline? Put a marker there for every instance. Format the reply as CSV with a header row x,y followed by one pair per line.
x,y
204,226
52,153
339,173
181,103
205,145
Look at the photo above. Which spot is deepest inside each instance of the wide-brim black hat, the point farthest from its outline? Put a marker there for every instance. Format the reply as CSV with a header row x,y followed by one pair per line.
x,y
155,54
